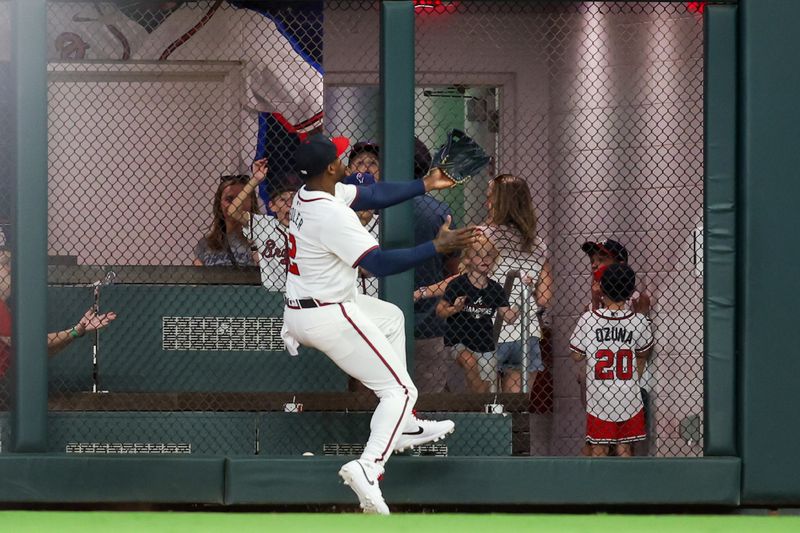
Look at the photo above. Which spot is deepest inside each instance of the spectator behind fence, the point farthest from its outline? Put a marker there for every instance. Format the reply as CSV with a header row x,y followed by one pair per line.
x,y
431,359
609,252
367,283
602,254
224,245
511,226
268,233
57,340
608,339
469,306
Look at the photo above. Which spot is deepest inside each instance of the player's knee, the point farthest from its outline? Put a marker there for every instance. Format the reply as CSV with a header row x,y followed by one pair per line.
x,y
412,393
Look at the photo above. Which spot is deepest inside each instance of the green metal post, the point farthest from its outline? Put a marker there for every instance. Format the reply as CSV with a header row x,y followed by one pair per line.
x,y
29,264
397,144
719,255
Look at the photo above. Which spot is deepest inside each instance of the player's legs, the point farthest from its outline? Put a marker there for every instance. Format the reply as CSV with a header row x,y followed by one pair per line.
x,y
390,321
357,346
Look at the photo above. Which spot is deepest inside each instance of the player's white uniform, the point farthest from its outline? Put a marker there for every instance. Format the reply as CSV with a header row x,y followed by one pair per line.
x,y
364,336
272,240
369,285
609,340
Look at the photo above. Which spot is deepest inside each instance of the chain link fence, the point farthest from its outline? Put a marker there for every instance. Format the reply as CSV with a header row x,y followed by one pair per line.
x,y
7,165
592,112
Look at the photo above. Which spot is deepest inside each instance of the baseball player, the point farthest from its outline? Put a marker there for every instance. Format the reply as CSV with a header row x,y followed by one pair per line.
x,y
364,336
615,343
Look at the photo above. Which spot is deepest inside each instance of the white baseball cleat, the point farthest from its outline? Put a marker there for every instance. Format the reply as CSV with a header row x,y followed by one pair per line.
x,y
362,477
419,432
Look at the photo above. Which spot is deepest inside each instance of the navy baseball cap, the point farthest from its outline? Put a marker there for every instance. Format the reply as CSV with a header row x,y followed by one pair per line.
x,y
362,147
612,248
359,178
316,153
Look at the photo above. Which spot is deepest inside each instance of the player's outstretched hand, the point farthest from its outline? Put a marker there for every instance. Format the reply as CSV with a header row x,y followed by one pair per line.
x,y
452,240
436,180
260,169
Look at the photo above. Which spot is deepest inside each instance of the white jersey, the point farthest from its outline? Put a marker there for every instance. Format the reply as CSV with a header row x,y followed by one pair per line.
x,y
368,286
609,340
326,241
272,240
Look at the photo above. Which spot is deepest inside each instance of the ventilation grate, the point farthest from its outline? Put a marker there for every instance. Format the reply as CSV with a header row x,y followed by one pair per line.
x,y
221,333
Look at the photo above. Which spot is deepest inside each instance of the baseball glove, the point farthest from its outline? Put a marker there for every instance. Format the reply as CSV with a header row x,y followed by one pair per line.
x,y
461,157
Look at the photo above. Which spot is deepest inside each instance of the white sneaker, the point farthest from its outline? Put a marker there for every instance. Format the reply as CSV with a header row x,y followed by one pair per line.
x,y
362,477
420,432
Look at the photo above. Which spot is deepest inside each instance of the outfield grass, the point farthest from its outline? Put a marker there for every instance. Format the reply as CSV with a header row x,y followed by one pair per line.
x,y
140,522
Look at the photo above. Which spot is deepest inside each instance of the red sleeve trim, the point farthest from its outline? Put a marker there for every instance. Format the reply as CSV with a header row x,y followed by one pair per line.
x,y
360,257
576,349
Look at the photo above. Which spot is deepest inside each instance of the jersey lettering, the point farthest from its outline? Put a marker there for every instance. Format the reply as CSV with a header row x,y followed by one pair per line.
x,y
292,254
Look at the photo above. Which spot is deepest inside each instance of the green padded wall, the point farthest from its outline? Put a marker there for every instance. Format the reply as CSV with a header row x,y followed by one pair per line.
x,y
132,358
296,433
207,433
768,282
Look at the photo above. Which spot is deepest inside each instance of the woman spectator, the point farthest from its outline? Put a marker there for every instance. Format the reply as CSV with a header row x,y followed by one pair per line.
x,y
224,245
512,228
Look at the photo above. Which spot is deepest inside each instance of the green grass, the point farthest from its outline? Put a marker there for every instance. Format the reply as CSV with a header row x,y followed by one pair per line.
x,y
124,522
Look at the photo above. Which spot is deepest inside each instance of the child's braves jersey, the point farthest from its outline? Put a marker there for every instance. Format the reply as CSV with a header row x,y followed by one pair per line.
x,y
609,340
326,242
272,241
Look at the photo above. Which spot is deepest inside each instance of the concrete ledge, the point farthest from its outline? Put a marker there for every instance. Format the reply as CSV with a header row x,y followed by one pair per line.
x,y
494,480
60,478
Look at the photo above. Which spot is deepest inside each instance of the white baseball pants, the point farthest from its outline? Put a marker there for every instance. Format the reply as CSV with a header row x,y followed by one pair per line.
x,y
366,339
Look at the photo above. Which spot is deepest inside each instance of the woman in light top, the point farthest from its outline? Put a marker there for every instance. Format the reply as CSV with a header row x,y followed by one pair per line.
x,y
512,228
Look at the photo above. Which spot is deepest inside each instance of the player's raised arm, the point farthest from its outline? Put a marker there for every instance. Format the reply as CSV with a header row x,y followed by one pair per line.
x,y
383,194
387,262
235,210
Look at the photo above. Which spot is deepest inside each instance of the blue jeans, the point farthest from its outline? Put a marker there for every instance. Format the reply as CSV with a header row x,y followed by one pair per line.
x,y
509,355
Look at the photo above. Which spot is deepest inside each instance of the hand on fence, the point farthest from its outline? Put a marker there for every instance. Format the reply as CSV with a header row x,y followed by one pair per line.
x,y
260,169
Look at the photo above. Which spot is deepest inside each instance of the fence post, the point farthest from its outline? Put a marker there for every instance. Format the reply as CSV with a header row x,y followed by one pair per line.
x,y
397,145
29,263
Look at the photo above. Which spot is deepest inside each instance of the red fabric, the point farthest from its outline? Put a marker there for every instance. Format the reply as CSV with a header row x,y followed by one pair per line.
x,y
604,432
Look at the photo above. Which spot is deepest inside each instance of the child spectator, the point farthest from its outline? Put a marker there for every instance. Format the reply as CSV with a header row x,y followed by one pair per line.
x,y
609,339
469,305
269,234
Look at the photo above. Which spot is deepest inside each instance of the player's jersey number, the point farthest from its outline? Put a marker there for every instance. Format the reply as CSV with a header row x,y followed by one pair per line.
x,y
612,365
292,254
